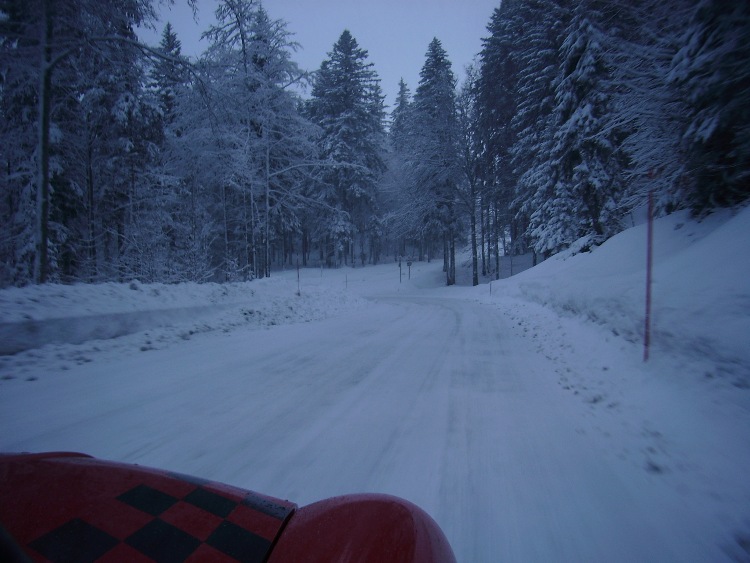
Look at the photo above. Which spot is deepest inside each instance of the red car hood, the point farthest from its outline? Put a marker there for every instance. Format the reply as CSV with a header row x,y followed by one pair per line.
x,y
72,507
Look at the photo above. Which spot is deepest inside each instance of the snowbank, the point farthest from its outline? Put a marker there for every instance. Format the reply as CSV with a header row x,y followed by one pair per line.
x,y
35,316
701,288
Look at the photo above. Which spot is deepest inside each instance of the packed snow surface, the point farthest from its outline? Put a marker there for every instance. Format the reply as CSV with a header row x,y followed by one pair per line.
x,y
518,413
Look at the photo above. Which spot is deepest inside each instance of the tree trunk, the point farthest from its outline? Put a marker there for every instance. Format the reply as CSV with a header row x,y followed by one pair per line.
x,y
91,212
473,220
305,248
498,228
253,240
451,272
41,259
226,231
267,265
248,248
484,213
445,257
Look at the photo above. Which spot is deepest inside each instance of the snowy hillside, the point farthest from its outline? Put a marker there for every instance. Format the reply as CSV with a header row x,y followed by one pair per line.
x,y
518,413
701,291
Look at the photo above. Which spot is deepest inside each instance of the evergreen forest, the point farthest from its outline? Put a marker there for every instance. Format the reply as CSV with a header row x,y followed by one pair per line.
x,y
122,160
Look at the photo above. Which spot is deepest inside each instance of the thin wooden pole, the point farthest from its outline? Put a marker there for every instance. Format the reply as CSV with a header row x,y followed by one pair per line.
x,y
649,267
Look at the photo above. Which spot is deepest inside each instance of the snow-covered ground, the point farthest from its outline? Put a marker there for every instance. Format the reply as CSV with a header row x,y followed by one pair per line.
x,y
519,413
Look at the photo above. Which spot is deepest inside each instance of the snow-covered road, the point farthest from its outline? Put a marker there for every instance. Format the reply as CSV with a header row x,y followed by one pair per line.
x,y
474,413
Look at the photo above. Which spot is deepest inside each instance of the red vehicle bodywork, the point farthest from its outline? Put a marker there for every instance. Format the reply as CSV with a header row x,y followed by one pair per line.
x,y
72,507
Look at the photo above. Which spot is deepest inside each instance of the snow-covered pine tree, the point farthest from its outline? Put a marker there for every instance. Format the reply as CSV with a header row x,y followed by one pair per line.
x,y
496,105
185,223
290,152
434,156
394,185
140,247
649,109
399,130
347,104
168,76
538,28
585,159
471,159
18,88
198,164
712,71
75,53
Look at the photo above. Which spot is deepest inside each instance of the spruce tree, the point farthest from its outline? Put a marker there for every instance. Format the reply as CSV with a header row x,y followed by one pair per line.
x,y
347,104
647,106
538,34
399,129
399,211
471,159
435,151
585,160
712,72
91,125
497,100
168,75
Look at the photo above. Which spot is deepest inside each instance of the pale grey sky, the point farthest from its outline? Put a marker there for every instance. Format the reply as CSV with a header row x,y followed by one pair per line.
x,y
396,33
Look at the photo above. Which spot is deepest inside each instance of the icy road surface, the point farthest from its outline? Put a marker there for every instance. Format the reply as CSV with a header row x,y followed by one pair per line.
x,y
489,418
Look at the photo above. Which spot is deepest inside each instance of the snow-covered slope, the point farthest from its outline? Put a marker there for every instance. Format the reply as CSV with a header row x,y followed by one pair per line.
x,y
701,288
36,316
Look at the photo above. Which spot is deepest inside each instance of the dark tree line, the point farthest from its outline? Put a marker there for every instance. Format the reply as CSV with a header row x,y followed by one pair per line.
x,y
585,107
571,115
347,105
122,160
